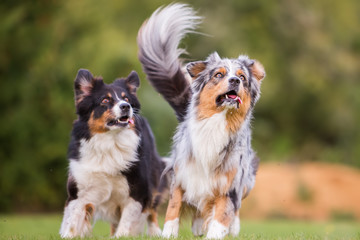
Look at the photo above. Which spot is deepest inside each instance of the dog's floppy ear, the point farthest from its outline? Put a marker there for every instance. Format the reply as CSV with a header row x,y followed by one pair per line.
x,y
195,68
84,83
133,82
257,70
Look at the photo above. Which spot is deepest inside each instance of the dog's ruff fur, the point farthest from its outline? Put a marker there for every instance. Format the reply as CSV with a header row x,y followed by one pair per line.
x,y
212,163
114,169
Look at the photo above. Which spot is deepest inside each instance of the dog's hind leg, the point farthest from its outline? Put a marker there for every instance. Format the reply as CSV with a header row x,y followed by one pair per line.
x,y
235,225
153,226
113,228
197,224
171,226
131,221
77,219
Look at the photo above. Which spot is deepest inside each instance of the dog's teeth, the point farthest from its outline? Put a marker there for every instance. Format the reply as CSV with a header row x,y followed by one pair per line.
x,y
226,96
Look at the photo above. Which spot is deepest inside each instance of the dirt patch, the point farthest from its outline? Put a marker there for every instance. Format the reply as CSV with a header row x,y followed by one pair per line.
x,y
316,191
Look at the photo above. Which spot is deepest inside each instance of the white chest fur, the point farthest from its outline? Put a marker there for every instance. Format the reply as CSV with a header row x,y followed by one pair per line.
x,y
108,152
208,138
97,172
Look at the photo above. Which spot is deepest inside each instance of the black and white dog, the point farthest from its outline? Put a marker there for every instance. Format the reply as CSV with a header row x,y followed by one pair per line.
x,y
213,163
114,168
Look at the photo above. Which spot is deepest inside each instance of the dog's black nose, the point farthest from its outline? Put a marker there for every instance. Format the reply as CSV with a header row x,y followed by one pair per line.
x,y
125,107
234,81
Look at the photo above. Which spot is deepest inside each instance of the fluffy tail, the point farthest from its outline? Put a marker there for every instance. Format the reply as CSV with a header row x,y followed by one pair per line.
x,y
158,41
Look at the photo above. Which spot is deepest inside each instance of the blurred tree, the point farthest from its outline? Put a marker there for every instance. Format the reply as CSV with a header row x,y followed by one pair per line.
x,y
309,108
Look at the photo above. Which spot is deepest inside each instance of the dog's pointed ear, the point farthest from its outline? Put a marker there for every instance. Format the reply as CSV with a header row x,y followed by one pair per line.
x,y
258,71
195,68
133,81
84,83
214,57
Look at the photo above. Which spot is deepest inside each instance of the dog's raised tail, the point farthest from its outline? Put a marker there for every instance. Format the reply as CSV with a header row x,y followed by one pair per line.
x,y
158,41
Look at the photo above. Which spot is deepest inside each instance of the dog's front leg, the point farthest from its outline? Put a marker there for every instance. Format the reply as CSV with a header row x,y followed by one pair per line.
x,y
131,219
224,214
77,219
171,226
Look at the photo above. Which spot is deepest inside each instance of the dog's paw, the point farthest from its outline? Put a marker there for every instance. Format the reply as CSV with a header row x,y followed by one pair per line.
x,y
74,229
171,228
122,232
77,220
216,230
67,231
154,230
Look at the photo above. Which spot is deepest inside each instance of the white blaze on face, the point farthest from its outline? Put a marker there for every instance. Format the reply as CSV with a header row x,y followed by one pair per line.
x,y
116,109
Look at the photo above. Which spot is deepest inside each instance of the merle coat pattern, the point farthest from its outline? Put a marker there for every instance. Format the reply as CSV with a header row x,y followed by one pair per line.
x,y
212,162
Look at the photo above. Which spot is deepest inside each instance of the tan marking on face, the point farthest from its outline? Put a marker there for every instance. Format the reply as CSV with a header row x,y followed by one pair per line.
x,y
222,70
174,205
239,72
207,103
236,116
122,94
99,125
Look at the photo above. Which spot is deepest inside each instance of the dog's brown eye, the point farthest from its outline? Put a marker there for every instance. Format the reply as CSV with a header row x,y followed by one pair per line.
x,y
242,78
219,75
105,101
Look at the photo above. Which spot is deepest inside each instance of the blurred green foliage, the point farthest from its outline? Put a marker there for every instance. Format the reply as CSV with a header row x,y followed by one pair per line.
x,y
309,109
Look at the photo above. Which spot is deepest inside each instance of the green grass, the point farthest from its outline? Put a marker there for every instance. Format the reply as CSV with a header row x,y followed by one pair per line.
x,y
47,226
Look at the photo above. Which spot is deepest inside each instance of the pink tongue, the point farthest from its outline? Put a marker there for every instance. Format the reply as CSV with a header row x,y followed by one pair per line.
x,y
232,96
236,98
131,121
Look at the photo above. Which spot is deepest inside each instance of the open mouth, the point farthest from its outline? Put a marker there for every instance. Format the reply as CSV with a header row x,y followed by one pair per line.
x,y
121,121
229,98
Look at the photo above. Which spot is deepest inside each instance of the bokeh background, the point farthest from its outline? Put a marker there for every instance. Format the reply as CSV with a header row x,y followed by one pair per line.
x,y
308,111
